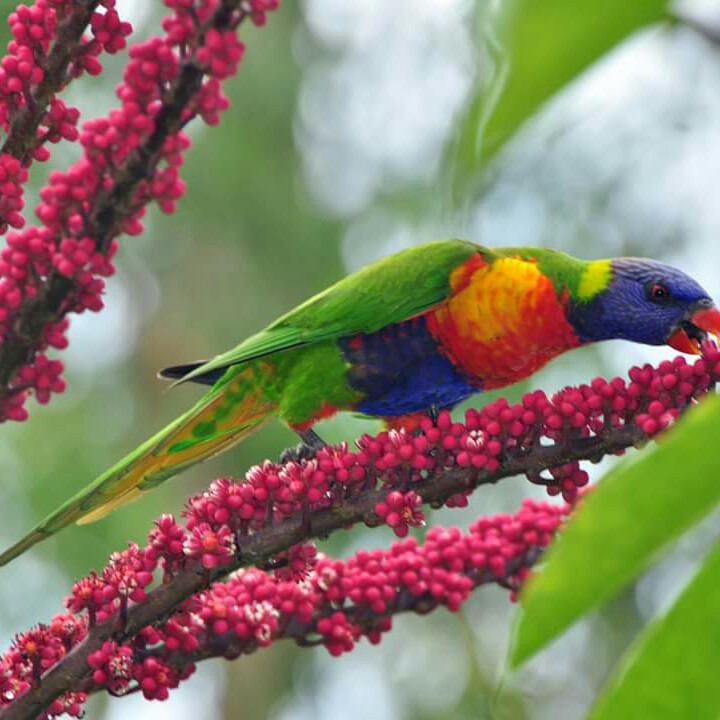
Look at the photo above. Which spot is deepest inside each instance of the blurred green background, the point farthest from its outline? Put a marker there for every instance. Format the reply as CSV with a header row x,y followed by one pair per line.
x,y
357,129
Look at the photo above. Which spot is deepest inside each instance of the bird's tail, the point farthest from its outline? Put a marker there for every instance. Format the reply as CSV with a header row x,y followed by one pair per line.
x,y
221,419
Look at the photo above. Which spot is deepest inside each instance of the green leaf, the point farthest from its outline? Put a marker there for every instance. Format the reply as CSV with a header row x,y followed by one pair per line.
x,y
671,672
542,45
636,510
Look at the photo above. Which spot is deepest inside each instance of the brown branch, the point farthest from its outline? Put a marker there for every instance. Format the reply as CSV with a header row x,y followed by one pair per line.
x,y
259,548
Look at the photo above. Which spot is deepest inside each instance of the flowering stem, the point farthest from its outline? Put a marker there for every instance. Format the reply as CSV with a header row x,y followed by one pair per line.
x,y
258,549
305,634
262,523
21,139
111,207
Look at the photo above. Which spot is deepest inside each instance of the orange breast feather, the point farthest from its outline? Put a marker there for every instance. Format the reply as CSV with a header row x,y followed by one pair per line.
x,y
503,322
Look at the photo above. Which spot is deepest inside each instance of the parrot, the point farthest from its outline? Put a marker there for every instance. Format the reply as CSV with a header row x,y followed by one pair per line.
x,y
416,332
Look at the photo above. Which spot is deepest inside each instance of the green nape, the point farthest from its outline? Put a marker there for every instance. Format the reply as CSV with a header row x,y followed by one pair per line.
x,y
583,279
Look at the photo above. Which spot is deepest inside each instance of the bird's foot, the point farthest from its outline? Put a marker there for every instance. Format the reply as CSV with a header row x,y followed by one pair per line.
x,y
294,454
306,450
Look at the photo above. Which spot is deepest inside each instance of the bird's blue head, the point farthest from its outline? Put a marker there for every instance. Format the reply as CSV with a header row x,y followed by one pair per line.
x,y
646,302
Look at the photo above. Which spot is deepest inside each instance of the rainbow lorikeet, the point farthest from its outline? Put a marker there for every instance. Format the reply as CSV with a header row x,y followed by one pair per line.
x,y
415,332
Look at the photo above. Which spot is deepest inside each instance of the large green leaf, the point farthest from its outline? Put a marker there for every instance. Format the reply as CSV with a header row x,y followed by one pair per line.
x,y
540,47
636,510
671,673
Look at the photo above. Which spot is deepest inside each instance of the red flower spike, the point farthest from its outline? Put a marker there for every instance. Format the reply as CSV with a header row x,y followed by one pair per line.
x,y
338,633
112,667
214,548
64,244
68,704
69,629
298,562
12,178
91,593
128,573
181,632
167,541
39,648
155,678
341,601
401,511
254,607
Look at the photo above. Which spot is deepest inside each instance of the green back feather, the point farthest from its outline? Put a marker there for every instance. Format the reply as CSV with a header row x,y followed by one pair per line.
x,y
388,291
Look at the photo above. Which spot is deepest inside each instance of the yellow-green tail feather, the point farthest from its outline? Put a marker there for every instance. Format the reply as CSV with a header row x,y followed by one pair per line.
x,y
222,418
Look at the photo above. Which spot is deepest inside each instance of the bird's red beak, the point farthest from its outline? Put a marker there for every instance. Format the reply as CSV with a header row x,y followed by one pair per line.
x,y
689,336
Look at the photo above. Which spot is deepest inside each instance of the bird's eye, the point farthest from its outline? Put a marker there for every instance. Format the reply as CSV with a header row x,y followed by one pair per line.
x,y
658,293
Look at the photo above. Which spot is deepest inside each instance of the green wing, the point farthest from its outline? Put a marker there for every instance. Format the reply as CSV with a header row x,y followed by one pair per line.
x,y
388,291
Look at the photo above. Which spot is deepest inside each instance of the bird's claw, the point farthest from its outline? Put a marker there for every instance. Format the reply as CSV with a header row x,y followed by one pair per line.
x,y
306,450
295,454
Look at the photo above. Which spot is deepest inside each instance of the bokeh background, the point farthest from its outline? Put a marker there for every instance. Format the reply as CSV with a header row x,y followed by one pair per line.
x,y
357,129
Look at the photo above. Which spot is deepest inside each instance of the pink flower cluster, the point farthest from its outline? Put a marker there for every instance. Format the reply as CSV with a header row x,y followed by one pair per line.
x,y
344,600
260,9
71,245
313,599
401,511
12,178
318,600
34,29
34,652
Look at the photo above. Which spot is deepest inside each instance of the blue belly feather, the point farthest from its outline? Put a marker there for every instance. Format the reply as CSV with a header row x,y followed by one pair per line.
x,y
400,370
